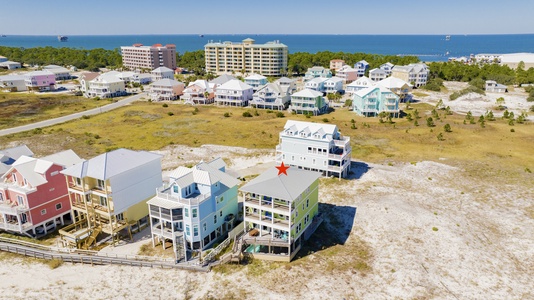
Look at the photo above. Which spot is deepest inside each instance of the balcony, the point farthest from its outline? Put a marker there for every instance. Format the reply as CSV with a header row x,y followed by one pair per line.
x,y
15,226
195,199
163,231
253,238
267,221
12,208
274,206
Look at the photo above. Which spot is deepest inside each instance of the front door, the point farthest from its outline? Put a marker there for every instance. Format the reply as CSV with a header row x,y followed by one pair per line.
x,y
23,218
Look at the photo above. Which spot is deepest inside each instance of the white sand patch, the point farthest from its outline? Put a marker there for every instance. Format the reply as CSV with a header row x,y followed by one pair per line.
x,y
482,246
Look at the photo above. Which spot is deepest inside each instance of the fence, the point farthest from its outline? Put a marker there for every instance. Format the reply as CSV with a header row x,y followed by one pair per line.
x,y
89,256
231,235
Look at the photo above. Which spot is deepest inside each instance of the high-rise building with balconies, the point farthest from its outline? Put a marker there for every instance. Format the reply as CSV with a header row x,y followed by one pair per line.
x,y
269,59
149,57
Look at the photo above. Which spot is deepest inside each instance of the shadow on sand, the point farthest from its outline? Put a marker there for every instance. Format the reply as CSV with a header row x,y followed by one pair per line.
x,y
335,229
357,169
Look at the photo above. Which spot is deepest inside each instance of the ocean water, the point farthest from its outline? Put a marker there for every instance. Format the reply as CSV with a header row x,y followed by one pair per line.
x,y
426,47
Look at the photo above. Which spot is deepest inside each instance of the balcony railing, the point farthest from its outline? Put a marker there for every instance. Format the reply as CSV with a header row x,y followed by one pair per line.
x,y
166,194
15,226
12,208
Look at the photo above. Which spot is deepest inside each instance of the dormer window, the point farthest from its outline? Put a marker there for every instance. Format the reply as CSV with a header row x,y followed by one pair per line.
x,y
14,177
175,188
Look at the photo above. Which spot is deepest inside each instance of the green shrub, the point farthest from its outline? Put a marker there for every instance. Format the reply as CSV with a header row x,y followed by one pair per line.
x,y
434,228
247,114
85,117
447,128
325,120
226,115
165,105
280,114
170,113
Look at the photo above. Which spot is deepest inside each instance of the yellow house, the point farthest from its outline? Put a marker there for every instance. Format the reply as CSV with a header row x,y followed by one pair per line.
x,y
108,194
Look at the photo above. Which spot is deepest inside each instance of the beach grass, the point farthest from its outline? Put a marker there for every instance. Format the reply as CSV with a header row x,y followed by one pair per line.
x,y
148,126
22,108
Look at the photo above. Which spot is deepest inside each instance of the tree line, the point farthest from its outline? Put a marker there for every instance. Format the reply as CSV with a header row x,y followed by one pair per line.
x,y
456,71
80,58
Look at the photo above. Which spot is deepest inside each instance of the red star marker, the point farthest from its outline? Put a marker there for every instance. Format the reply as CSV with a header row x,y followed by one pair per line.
x,y
282,169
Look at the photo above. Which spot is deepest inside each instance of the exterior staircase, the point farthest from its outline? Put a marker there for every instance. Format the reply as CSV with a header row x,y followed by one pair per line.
x,y
180,251
92,238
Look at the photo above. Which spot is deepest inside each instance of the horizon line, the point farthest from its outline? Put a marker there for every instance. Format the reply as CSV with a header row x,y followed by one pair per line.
x,y
258,34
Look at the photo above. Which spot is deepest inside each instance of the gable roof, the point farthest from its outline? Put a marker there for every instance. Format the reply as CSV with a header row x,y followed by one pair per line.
x,y
107,165
288,187
312,127
308,93
88,76
393,83
167,82
285,80
65,158
364,92
362,81
203,173
12,154
334,79
272,87
255,77
161,70
223,79
235,85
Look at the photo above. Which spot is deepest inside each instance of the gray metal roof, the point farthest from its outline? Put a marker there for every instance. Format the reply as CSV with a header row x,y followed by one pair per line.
x,y
286,187
107,165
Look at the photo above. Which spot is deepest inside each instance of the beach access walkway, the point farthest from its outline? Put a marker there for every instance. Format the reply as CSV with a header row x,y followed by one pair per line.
x,y
92,257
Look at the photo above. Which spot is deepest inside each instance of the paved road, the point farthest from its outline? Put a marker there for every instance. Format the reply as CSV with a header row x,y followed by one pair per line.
x,y
63,119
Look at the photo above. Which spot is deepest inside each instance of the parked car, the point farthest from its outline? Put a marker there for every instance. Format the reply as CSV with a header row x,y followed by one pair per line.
x,y
50,226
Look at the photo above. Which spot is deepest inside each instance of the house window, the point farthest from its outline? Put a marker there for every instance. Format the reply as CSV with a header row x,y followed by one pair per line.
x,y
120,217
100,184
14,177
194,212
43,212
293,157
175,189
187,229
54,173
307,202
220,214
205,227
20,200
214,219
58,206
103,201
186,212
1,197
25,181
195,230
313,161
88,198
78,181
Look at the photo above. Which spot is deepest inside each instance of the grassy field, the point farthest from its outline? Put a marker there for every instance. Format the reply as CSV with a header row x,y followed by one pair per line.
x,y
22,108
151,126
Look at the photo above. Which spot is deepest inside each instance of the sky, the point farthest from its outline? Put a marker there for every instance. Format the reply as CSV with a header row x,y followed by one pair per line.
x,y
113,17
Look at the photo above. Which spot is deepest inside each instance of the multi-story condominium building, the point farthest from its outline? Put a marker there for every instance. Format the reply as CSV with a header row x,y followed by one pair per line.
x,y
308,102
377,74
359,84
269,59
281,211
13,83
347,73
361,66
149,57
33,194
166,89
387,67
415,74
287,83
60,72
333,85
315,72
256,81
199,92
108,193
336,64
374,100
40,81
316,147
10,155
316,84
233,93
85,78
195,208
493,87
398,86
162,73
271,96
106,86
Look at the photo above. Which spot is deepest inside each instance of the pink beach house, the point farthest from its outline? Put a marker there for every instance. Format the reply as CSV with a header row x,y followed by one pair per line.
x,y
40,81
33,194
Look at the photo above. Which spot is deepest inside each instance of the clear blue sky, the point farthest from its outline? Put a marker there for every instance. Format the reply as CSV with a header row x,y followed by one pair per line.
x,y
261,17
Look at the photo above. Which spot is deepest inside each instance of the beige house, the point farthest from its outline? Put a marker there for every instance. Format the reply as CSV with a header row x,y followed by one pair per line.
x,y
166,89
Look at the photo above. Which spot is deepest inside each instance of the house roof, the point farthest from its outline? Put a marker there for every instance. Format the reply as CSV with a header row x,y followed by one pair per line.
x,y
12,154
388,64
317,80
364,92
108,78
11,78
107,165
334,79
316,69
223,79
377,70
161,70
308,93
88,76
288,187
167,82
235,85
285,80
312,127
255,77
39,73
65,158
203,173
393,83
362,81
275,87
